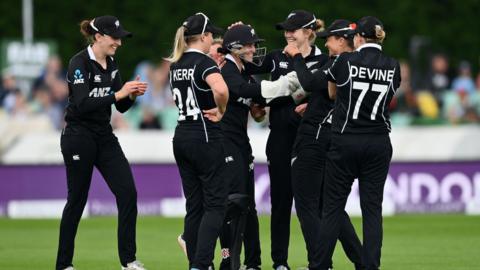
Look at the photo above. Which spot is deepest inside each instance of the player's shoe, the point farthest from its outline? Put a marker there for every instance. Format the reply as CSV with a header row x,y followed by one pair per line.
x,y
69,268
135,265
282,267
182,244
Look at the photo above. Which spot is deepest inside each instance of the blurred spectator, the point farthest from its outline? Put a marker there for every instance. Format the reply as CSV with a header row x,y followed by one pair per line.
x,y
53,72
438,79
462,105
43,103
150,119
464,82
9,93
7,88
158,95
145,72
52,89
404,105
477,81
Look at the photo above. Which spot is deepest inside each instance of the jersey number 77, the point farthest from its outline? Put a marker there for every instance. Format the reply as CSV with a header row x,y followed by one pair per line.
x,y
364,87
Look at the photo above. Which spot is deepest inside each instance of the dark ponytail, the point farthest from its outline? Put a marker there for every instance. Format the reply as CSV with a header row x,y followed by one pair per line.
x,y
87,31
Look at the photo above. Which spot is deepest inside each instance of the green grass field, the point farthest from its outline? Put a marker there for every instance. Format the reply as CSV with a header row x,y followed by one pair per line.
x,y
410,242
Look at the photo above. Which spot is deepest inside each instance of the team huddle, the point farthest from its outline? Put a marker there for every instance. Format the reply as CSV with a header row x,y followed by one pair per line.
x,y
329,124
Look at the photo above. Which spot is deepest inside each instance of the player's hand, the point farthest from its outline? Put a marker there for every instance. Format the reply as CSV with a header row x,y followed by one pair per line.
x,y
132,89
235,24
257,112
300,109
140,90
213,115
222,63
291,49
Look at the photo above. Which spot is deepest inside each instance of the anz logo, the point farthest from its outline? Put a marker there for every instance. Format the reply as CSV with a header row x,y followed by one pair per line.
x,y
99,92
78,77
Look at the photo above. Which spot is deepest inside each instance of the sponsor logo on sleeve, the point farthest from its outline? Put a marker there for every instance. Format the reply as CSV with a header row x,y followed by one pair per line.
x,y
78,77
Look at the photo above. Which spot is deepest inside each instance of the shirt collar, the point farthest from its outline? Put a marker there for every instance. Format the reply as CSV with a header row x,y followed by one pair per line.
x,y
230,57
90,53
317,51
369,45
194,50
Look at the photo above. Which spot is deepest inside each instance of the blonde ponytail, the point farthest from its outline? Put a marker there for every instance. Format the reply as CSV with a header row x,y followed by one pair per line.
x,y
379,35
319,26
179,46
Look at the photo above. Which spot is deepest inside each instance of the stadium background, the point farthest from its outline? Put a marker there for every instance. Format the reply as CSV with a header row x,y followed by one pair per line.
x,y
433,186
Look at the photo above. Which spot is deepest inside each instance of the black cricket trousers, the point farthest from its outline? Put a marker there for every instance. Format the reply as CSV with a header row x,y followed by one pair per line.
x,y
308,168
279,153
202,167
366,157
81,153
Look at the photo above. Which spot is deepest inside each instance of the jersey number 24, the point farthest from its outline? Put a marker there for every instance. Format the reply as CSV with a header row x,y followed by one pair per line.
x,y
190,104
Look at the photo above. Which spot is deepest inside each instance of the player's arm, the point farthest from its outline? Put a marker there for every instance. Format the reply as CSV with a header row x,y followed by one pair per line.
x,y
238,86
332,90
219,89
308,80
333,75
267,66
77,78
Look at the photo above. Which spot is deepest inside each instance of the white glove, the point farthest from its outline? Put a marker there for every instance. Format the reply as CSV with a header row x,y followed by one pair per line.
x,y
293,79
283,86
299,95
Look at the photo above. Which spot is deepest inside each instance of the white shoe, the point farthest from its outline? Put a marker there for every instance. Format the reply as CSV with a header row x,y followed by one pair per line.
x,y
281,267
69,268
182,244
135,265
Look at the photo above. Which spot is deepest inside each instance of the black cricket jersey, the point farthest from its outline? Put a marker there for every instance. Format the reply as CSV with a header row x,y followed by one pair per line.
x,y
366,81
243,90
317,115
192,95
282,110
91,92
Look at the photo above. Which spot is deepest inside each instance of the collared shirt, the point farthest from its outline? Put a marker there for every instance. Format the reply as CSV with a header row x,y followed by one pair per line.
x,y
91,92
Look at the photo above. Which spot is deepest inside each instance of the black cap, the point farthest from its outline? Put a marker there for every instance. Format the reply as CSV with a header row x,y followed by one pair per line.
x,y
109,25
199,24
298,19
366,27
340,27
238,36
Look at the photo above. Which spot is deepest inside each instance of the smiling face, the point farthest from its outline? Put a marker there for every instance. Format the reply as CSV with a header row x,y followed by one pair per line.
x,y
298,37
107,44
247,52
334,45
